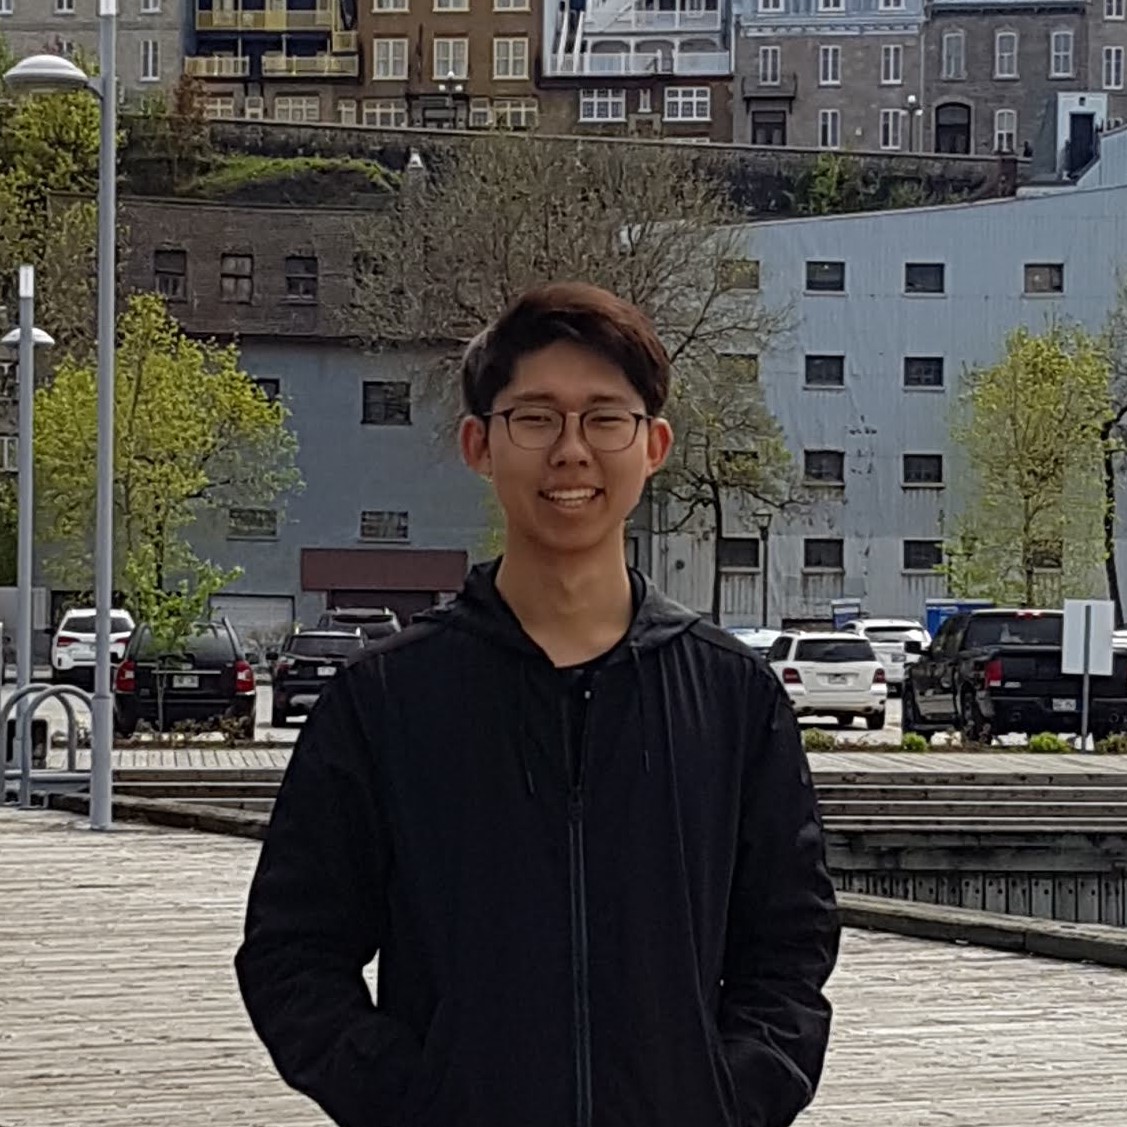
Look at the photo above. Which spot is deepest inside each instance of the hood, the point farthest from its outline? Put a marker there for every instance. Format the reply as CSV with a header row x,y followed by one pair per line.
x,y
480,610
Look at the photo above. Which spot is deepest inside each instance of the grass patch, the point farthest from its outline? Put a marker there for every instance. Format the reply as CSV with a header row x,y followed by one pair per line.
x,y
229,174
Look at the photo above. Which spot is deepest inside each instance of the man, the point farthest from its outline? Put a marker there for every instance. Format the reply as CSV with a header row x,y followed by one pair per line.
x,y
574,821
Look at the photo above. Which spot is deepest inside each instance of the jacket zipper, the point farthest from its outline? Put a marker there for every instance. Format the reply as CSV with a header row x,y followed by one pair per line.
x,y
580,968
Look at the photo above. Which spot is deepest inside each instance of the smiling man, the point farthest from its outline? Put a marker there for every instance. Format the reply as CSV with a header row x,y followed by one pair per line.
x,y
574,821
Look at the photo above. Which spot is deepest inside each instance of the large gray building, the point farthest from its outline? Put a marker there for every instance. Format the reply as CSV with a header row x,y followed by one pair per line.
x,y
890,309
150,44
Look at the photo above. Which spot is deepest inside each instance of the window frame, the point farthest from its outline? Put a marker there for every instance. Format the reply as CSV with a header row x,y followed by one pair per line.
x,y
451,42
940,386
1001,132
816,481
771,53
931,569
823,568
250,534
811,286
527,108
1115,9
908,482
150,53
948,72
375,108
163,272
892,130
274,393
1054,52
391,42
509,41
829,123
911,290
1111,71
691,96
594,96
807,366
1055,271
302,283
395,515
230,270
385,7
892,75
744,541
999,54
829,64
399,409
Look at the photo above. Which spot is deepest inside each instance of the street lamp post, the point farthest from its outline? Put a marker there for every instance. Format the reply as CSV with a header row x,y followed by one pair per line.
x,y
450,88
763,522
52,74
27,337
915,112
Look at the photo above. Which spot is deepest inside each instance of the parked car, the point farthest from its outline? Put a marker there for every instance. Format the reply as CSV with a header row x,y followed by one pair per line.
x,y
897,642
306,664
992,672
831,674
72,647
207,680
755,638
373,622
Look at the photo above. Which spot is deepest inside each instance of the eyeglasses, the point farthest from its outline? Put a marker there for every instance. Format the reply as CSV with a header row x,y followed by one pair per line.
x,y
606,429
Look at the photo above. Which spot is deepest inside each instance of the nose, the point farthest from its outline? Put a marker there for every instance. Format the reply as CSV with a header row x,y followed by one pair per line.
x,y
570,447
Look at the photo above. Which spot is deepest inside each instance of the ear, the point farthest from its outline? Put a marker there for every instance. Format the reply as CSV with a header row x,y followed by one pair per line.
x,y
473,441
659,442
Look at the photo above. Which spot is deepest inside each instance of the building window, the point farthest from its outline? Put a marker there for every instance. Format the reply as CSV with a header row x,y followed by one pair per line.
x,y
252,524
390,6
923,372
1005,54
451,5
1114,9
954,55
510,58
9,454
770,5
451,58
923,469
271,388
64,7
1060,55
217,106
831,5
823,467
170,274
385,113
236,277
150,60
825,371
738,553
891,5
382,524
825,277
6,7
481,113
924,277
516,113
829,66
387,403
1005,131
389,59
891,129
739,274
645,101
923,555
297,108
892,65
829,129
1113,68
1044,278
688,103
510,5
346,111
770,66
823,555
301,278
602,105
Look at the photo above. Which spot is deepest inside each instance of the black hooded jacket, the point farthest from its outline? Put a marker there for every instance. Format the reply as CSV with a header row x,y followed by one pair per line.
x,y
597,902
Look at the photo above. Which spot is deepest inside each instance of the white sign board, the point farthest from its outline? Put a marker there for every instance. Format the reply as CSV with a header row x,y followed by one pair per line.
x,y
1091,621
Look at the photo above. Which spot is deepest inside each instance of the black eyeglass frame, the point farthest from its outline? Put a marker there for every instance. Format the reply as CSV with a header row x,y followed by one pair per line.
x,y
639,418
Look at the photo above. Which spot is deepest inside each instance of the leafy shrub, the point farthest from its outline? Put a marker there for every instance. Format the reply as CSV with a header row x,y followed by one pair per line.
x,y
913,741
1115,744
814,739
1048,743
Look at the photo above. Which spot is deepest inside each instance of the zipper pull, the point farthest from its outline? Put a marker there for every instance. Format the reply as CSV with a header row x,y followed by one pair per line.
x,y
575,807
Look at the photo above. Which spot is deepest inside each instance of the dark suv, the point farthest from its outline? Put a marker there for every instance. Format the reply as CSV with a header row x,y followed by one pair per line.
x,y
305,665
373,622
206,680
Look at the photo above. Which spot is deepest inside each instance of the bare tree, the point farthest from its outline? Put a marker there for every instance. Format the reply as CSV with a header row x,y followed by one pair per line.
x,y
1113,436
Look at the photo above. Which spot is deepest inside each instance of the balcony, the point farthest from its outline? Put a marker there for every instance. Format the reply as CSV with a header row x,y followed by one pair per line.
x,y
614,19
277,65
217,66
754,90
273,18
698,64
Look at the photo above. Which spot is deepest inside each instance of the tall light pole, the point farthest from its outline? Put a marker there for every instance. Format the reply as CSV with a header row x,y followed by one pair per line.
x,y
53,74
763,522
26,338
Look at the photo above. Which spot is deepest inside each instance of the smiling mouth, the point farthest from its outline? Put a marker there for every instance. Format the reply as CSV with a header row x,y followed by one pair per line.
x,y
570,498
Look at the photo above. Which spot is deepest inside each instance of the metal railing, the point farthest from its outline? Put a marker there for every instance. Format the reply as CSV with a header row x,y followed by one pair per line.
x,y
217,66
622,20
259,19
25,772
274,63
689,63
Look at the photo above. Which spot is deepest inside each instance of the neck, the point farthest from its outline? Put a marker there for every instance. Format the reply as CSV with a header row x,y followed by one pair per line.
x,y
575,607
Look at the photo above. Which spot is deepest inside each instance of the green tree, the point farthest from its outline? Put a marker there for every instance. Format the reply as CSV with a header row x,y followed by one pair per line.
x,y
194,435
1114,438
1030,430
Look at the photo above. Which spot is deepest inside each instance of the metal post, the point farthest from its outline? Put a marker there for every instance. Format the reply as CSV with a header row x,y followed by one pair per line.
x,y
101,780
1087,677
26,520
765,561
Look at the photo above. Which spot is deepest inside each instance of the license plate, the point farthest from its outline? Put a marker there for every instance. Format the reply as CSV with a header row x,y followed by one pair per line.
x,y
836,679
1062,704
326,670
185,681
897,659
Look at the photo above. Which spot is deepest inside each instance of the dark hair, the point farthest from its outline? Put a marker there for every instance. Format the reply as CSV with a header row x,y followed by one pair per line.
x,y
575,311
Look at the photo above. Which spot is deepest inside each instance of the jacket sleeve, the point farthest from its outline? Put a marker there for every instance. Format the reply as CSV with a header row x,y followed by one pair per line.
x,y
783,929
316,918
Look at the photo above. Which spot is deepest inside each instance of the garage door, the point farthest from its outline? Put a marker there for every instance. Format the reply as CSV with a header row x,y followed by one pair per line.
x,y
261,620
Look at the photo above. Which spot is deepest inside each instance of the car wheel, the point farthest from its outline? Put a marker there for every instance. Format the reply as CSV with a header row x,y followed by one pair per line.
x,y
972,724
909,712
874,721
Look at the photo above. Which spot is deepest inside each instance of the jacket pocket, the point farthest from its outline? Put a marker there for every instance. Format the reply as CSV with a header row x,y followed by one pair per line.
x,y
433,1068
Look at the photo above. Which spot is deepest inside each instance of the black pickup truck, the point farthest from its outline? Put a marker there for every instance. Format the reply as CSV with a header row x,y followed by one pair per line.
x,y
991,672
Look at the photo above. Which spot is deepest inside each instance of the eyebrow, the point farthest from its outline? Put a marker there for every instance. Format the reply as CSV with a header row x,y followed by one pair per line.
x,y
545,397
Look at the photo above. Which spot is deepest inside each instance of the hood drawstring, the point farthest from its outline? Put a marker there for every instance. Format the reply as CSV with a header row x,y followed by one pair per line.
x,y
643,705
522,730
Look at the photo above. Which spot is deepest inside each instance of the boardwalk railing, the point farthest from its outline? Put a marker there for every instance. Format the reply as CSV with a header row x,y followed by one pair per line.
x,y
25,773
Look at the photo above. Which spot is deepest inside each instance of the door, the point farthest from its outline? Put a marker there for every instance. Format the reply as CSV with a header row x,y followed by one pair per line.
x,y
931,676
952,128
768,127
1081,141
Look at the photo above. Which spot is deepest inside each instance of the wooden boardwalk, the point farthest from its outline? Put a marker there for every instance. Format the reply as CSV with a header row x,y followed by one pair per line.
x,y
119,1007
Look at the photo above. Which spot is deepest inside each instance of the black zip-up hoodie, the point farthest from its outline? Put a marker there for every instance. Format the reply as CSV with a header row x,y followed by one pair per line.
x,y
640,941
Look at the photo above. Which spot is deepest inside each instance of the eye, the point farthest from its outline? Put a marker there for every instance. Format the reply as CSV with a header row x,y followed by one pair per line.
x,y
530,417
608,419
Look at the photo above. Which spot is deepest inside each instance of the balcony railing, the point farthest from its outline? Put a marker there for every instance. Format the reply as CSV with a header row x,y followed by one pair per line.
x,y
216,66
275,64
345,42
275,18
688,63
614,18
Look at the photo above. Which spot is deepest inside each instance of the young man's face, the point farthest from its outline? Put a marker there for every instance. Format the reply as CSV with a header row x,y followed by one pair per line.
x,y
569,495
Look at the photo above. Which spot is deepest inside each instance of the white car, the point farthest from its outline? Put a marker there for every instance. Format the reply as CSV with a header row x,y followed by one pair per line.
x,y
72,647
755,637
832,674
897,642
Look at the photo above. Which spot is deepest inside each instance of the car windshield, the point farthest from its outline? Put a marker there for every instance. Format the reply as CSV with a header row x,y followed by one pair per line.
x,y
893,634
208,643
831,650
86,624
1014,630
320,645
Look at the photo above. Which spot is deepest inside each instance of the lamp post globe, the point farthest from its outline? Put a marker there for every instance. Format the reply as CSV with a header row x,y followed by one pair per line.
x,y
46,74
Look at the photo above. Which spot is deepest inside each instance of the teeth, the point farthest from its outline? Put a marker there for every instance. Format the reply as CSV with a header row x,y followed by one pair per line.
x,y
570,496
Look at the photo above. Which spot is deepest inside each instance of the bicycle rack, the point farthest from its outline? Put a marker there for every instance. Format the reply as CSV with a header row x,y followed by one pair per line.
x,y
24,772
